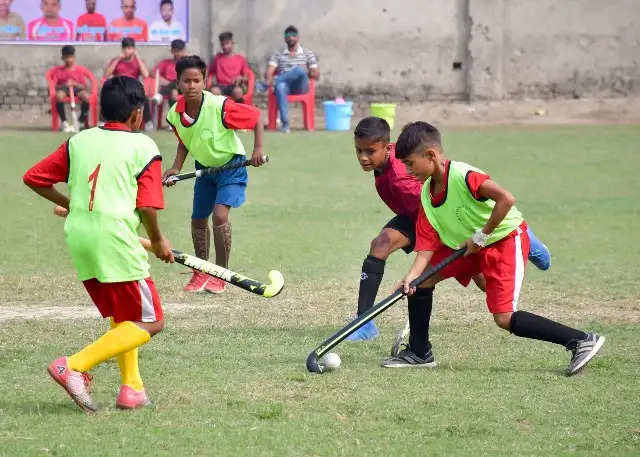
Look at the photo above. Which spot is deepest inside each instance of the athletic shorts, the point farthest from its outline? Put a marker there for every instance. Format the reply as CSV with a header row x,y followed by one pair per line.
x,y
406,226
502,264
224,188
136,301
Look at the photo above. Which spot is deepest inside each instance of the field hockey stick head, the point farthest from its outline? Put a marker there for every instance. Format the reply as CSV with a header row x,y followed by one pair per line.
x,y
276,286
313,364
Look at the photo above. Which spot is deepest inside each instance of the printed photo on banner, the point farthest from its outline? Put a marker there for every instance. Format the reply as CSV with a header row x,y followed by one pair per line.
x,y
93,21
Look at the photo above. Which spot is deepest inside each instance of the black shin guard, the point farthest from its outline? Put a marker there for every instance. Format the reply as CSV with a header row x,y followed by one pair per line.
x,y
420,305
528,325
60,110
370,278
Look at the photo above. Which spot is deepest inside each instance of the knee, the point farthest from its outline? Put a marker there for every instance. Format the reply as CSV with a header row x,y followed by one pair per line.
x,y
220,217
215,90
281,88
60,96
503,320
381,246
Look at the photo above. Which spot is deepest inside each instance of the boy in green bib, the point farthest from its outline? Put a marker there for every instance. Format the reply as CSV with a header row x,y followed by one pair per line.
x,y
115,184
205,126
462,206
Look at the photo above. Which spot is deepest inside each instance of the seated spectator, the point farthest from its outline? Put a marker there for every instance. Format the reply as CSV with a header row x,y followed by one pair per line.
x,y
128,26
130,64
166,69
292,65
167,28
91,26
65,77
11,24
229,70
50,27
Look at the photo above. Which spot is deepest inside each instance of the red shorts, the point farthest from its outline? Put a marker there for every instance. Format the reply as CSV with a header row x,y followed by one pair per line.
x,y
136,301
502,264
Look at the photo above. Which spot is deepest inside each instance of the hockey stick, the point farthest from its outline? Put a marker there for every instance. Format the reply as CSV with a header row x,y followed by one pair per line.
x,y
402,334
251,285
72,105
312,360
157,100
209,171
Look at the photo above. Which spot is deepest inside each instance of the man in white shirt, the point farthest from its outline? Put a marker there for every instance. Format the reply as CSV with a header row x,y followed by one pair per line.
x,y
167,28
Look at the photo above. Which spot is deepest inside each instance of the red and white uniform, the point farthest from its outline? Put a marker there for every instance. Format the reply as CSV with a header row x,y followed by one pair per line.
x,y
128,300
397,188
502,263
129,68
42,30
166,69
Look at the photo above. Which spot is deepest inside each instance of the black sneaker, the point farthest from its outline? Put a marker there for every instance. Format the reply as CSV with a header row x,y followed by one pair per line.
x,y
408,358
583,351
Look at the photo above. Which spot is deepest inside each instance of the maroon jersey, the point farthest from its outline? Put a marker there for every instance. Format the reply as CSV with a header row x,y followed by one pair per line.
x,y
397,188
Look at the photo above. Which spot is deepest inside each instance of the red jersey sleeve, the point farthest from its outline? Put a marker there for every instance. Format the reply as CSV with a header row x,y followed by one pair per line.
x,y
427,239
150,185
51,170
239,116
474,180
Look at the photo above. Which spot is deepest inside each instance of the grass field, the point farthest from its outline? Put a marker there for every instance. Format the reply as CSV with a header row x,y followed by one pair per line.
x,y
227,376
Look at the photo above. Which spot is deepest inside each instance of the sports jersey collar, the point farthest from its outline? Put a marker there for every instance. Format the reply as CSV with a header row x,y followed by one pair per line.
x,y
181,104
438,200
118,126
299,49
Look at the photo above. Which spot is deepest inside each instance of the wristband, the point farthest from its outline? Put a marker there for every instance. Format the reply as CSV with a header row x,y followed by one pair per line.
x,y
480,238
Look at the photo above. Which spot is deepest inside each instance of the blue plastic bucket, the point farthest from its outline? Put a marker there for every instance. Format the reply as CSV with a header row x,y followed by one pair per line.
x,y
337,116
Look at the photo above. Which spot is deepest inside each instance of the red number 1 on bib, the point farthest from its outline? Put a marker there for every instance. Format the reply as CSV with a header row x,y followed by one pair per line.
x,y
93,177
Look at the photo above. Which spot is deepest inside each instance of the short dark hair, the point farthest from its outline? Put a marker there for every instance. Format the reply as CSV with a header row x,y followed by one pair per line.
x,y
373,129
120,96
68,50
291,29
128,42
166,2
225,36
178,44
416,134
186,62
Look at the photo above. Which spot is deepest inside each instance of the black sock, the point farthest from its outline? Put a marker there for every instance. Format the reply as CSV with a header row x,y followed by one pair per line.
x,y
146,112
529,325
60,110
84,110
420,304
370,278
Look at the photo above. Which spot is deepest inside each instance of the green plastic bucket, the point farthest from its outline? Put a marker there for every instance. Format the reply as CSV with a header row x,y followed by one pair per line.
x,y
386,111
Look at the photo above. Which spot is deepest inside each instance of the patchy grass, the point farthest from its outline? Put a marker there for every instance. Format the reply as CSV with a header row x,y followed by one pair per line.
x,y
227,376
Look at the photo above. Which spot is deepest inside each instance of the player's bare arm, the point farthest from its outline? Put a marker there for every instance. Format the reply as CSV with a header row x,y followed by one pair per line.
x,y
258,158
181,155
504,202
160,245
52,194
143,68
108,73
419,265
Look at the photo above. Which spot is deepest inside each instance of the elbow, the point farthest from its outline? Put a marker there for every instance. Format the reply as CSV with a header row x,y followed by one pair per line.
x,y
509,200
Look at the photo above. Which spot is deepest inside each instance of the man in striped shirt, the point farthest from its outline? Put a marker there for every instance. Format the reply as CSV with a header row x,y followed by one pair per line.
x,y
289,71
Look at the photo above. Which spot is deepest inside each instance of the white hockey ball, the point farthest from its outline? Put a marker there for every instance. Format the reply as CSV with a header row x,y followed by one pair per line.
x,y
330,361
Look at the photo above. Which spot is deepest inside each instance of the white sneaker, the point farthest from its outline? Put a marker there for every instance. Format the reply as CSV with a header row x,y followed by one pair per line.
x,y
148,127
66,127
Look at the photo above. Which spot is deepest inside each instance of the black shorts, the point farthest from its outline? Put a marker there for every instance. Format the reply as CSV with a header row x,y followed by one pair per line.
x,y
407,227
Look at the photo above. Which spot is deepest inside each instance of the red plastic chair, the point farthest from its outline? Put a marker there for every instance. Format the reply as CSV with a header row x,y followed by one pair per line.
x,y
308,101
92,119
251,86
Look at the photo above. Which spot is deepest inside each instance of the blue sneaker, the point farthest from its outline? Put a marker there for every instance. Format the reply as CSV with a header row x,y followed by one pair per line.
x,y
367,332
538,253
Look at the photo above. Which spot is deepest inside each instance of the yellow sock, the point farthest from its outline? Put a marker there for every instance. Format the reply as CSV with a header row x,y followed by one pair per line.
x,y
118,340
128,363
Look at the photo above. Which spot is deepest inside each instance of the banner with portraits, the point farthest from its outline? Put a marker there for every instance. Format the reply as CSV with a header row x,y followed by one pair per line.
x,y
93,21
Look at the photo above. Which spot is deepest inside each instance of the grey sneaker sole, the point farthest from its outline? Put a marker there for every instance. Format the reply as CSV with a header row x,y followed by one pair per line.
x,y
591,355
386,364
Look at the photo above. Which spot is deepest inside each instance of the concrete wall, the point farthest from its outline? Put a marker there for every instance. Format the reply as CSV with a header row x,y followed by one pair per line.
x,y
404,50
